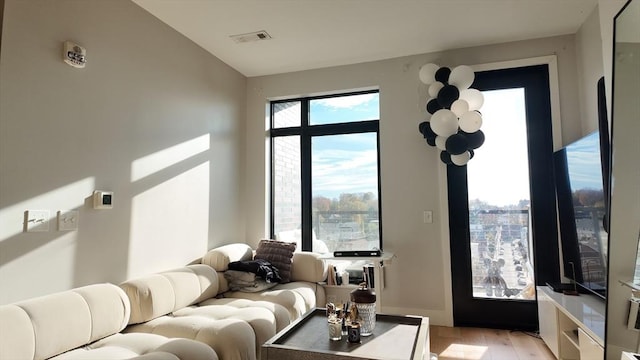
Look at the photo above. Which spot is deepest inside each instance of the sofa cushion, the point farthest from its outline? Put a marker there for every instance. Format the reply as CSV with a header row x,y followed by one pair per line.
x,y
17,340
279,254
297,297
139,347
219,258
261,320
159,294
109,310
62,313
83,315
230,338
280,313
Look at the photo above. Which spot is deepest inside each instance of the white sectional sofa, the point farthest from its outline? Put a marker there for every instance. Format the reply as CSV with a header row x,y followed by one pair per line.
x,y
194,302
184,313
84,324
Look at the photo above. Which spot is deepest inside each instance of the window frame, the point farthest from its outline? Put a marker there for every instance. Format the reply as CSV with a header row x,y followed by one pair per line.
x,y
307,132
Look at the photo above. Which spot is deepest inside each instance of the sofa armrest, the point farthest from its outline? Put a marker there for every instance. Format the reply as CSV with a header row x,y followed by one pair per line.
x,y
308,266
219,258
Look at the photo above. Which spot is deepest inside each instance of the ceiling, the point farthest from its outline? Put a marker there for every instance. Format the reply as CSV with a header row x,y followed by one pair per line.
x,y
308,34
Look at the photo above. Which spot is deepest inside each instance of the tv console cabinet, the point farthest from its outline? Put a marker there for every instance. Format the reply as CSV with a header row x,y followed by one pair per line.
x,y
572,326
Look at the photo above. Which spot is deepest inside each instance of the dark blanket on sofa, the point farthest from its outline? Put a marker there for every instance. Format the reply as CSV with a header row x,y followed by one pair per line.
x,y
260,267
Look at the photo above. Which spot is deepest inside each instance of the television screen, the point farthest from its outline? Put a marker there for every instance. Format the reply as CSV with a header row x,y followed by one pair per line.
x,y
582,212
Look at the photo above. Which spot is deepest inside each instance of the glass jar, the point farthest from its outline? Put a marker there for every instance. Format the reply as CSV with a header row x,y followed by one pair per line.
x,y
364,299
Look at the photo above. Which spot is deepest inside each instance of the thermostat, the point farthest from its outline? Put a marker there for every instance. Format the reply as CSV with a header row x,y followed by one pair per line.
x,y
102,199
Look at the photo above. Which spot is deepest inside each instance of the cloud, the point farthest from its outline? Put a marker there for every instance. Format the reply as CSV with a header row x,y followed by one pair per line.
x,y
345,171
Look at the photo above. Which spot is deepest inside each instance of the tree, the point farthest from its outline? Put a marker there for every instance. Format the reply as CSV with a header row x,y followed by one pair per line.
x,y
321,203
588,197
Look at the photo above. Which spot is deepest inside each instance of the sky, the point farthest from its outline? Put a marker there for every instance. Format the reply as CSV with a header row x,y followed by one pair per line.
x,y
344,163
344,109
498,173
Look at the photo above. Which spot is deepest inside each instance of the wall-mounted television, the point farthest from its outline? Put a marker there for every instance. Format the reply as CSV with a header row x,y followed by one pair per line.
x,y
582,183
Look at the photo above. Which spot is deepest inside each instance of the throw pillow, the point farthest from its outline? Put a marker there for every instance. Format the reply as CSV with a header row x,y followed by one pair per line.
x,y
279,254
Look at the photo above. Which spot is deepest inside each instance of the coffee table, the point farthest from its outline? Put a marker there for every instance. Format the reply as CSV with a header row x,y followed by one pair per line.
x,y
394,338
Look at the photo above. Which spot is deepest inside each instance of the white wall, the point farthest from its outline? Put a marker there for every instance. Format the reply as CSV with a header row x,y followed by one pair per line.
x,y
152,117
412,176
590,70
608,10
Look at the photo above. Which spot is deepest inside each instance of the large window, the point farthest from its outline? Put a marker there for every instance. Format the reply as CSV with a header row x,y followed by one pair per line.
x,y
325,193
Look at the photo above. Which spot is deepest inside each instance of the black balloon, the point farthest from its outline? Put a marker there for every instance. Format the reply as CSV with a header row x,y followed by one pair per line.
x,y
442,75
425,129
431,140
471,153
447,95
445,157
456,144
422,126
475,139
432,106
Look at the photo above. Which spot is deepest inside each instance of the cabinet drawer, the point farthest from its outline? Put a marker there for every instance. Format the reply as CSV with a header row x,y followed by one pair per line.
x,y
548,320
589,348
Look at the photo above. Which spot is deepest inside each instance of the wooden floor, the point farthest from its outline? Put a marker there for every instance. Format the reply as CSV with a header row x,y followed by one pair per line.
x,y
486,344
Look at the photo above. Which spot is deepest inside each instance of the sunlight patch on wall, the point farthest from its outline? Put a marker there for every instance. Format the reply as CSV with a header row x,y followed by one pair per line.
x,y
66,197
51,269
162,159
170,223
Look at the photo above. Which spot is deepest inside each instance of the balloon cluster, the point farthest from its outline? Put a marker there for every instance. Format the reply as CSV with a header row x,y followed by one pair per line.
x,y
454,120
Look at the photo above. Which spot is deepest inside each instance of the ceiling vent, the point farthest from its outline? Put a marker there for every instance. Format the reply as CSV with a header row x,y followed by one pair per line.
x,y
250,37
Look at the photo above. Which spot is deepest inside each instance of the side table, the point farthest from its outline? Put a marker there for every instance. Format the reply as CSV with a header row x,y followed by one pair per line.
x,y
379,263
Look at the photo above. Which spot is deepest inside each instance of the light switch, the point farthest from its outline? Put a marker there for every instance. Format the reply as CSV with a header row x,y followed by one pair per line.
x,y
68,220
427,217
36,220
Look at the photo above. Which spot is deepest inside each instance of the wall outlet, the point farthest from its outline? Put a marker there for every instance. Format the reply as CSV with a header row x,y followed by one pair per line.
x,y
68,220
36,220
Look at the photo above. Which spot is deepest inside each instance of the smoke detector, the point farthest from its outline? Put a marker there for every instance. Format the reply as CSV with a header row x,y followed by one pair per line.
x,y
250,37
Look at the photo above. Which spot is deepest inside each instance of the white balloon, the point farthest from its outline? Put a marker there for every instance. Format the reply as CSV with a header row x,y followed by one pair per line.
x,y
427,73
461,159
474,97
441,142
470,122
462,77
444,123
460,107
434,89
